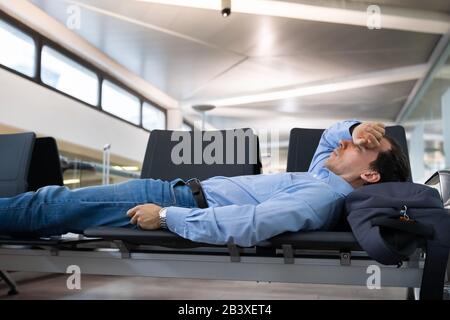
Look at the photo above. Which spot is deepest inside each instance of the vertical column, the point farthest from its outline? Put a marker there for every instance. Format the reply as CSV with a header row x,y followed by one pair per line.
x,y
445,105
417,150
264,150
174,119
274,149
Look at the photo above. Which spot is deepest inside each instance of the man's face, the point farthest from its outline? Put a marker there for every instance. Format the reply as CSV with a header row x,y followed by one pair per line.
x,y
350,161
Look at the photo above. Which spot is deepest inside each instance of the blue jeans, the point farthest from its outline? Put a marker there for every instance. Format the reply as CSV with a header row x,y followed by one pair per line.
x,y
56,210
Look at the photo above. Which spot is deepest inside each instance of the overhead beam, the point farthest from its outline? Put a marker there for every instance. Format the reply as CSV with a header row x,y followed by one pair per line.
x,y
343,12
360,81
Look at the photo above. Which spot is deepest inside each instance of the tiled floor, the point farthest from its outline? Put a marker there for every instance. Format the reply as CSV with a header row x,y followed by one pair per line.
x,y
44,286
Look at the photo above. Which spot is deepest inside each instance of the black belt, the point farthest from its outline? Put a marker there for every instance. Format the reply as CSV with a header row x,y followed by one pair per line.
x,y
197,192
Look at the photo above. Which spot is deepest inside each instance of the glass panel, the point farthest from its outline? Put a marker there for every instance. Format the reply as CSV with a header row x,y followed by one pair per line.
x,y
18,50
120,103
81,171
64,74
152,117
427,128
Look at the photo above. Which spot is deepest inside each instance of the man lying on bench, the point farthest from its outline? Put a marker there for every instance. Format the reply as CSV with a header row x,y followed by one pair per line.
x,y
244,210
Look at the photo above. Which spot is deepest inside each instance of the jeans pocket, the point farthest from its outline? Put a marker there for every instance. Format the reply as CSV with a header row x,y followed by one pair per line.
x,y
172,189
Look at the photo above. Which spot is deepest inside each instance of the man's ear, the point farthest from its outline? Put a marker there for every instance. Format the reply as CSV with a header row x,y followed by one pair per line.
x,y
370,176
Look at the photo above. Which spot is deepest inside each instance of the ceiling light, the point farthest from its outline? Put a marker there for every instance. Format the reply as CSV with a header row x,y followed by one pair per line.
x,y
226,8
130,168
71,181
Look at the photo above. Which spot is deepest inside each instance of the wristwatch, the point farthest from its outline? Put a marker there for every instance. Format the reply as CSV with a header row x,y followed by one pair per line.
x,y
162,218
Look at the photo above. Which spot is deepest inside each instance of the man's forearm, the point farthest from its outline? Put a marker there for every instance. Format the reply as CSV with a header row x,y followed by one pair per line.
x,y
330,140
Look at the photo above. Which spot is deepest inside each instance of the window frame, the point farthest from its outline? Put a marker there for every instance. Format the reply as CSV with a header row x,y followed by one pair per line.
x,y
40,41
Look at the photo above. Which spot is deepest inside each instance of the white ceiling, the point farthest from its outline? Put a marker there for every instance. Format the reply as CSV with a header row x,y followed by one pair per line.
x,y
197,56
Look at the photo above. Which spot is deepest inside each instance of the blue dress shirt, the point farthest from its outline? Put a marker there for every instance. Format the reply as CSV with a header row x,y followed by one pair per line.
x,y
248,209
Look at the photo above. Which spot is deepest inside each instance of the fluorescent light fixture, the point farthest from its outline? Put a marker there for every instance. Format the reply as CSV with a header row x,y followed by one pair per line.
x,y
199,4
126,168
71,181
130,168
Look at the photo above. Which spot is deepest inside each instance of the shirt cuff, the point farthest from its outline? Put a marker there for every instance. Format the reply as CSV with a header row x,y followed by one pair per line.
x,y
351,125
175,219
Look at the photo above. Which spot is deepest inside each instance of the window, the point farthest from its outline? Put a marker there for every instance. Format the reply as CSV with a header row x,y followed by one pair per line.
x,y
152,117
120,103
18,50
65,72
62,73
427,127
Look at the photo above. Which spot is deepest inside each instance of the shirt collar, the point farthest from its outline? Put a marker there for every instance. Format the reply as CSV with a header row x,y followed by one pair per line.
x,y
336,182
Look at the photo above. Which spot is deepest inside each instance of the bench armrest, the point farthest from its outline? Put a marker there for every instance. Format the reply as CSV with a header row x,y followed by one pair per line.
x,y
441,181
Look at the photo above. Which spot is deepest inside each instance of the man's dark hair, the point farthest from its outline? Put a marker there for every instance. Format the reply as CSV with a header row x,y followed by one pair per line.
x,y
393,164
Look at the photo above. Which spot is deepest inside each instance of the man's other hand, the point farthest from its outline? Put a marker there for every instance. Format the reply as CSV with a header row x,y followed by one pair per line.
x,y
368,134
146,216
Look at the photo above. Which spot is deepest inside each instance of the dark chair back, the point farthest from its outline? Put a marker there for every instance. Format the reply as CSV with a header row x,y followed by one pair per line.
x,y
15,157
159,164
45,168
302,146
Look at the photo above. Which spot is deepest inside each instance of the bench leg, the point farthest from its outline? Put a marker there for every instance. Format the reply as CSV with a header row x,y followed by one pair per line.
x,y
447,282
434,272
412,293
10,282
